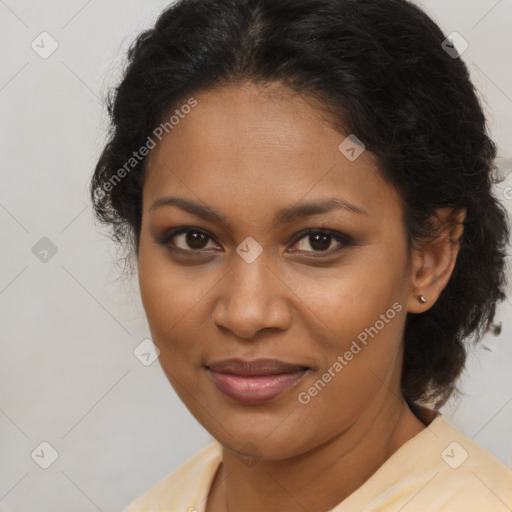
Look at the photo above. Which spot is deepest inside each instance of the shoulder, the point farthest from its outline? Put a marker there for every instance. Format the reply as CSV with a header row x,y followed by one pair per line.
x,y
438,470
185,487
468,473
450,473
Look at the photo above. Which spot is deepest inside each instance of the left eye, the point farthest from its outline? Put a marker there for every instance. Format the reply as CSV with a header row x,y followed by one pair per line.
x,y
320,240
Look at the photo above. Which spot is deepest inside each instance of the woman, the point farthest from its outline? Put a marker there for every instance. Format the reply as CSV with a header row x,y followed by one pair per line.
x,y
306,188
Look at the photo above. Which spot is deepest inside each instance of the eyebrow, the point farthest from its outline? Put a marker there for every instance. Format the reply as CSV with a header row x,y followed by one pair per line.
x,y
286,215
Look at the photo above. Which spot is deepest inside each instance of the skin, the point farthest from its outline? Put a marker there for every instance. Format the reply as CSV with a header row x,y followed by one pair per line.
x,y
247,152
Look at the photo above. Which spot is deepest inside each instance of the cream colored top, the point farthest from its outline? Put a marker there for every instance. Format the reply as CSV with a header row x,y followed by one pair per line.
x,y
438,470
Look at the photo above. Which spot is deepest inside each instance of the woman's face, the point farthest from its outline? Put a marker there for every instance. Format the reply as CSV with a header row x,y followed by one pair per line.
x,y
247,283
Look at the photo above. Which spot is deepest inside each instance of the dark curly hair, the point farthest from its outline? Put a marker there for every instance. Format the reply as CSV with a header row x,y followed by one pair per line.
x,y
381,72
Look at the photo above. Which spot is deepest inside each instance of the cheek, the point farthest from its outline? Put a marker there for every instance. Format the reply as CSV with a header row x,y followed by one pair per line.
x,y
362,304
359,365
167,292
169,306
347,395
353,296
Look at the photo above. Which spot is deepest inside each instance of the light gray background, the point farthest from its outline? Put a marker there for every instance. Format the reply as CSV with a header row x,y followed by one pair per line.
x,y
68,375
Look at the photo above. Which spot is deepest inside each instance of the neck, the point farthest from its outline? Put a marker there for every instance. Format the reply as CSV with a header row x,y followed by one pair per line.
x,y
319,479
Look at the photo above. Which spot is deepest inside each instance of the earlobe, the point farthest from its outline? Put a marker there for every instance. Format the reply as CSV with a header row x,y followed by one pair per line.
x,y
433,263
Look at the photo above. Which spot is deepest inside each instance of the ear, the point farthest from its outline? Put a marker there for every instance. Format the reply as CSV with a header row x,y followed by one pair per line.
x,y
433,262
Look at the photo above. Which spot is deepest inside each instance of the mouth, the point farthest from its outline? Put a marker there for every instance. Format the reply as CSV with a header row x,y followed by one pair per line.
x,y
258,381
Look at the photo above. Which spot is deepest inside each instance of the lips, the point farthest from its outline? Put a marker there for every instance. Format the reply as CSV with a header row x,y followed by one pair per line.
x,y
256,381
257,367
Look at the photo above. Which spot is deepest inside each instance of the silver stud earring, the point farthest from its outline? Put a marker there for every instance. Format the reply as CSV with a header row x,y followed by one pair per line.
x,y
422,299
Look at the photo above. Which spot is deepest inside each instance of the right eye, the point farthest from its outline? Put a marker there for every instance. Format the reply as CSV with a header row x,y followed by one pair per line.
x,y
186,238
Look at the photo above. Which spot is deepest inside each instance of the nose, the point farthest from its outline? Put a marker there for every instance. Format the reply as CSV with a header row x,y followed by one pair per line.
x,y
251,298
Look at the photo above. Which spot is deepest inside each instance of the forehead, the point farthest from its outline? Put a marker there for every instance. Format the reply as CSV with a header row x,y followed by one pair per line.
x,y
245,146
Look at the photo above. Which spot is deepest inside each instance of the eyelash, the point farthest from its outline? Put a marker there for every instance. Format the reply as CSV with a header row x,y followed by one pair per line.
x,y
344,240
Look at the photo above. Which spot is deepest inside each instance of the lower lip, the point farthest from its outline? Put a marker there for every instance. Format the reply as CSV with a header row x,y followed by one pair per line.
x,y
255,389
